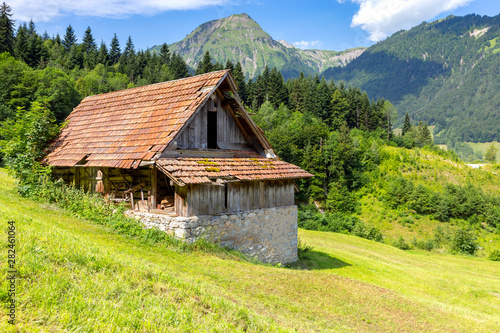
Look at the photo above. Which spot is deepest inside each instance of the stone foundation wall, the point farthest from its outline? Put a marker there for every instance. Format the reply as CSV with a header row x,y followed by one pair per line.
x,y
270,234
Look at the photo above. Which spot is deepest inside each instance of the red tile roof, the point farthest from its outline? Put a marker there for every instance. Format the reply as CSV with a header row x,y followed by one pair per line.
x,y
122,128
202,170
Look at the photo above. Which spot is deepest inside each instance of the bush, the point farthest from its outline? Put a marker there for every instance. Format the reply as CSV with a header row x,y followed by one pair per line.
x,y
464,241
302,249
401,244
495,255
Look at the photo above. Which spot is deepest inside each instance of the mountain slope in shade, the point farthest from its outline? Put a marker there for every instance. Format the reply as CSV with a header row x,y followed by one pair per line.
x,y
240,39
446,73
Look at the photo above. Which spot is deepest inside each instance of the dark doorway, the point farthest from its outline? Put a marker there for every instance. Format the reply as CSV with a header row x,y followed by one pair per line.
x,y
212,130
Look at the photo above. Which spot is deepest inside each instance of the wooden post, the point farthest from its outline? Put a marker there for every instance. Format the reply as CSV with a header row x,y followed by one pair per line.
x,y
132,199
154,181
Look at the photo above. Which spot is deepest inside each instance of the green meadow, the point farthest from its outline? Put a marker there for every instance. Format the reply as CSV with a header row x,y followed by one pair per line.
x,y
75,276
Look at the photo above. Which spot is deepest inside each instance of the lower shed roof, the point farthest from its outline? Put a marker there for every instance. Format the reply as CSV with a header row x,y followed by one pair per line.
x,y
203,170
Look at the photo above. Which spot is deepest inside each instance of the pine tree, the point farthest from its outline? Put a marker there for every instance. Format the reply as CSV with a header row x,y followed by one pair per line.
x,y
129,48
229,65
165,54
88,43
390,113
178,67
114,52
75,58
277,92
491,154
89,49
31,28
205,65
426,135
103,56
35,49
338,110
6,29
239,77
406,125
21,46
69,38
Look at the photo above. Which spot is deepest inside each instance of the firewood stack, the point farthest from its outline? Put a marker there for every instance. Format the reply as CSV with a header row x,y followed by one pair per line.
x,y
167,202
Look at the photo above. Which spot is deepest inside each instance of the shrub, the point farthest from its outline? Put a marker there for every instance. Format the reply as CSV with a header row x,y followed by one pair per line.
x,y
495,255
407,220
375,235
302,249
464,241
401,244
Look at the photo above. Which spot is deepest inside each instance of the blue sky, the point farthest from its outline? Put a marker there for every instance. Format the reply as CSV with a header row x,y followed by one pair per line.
x,y
323,24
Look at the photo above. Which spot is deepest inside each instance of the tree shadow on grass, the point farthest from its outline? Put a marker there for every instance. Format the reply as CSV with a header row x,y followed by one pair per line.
x,y
315,260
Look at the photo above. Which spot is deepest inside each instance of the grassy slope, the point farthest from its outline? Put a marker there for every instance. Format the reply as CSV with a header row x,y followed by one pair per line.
x,y
483,147
429,169
76,276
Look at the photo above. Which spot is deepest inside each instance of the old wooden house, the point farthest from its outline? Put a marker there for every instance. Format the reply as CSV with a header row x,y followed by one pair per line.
x,y
188,159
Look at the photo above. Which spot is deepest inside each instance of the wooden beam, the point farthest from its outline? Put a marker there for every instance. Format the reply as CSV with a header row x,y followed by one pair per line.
x,y
135,188
154,184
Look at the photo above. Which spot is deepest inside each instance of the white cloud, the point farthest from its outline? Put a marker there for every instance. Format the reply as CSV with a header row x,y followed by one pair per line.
x,y
381,18
46,10
307,44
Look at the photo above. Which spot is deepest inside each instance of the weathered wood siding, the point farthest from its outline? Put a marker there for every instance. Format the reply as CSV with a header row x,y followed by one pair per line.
x,y
228,131
241,196
195,136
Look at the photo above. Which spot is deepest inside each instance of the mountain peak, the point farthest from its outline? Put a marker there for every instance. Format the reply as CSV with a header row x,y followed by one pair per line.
x,y
239,38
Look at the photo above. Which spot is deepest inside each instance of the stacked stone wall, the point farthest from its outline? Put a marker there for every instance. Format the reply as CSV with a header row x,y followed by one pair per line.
x,y
270,234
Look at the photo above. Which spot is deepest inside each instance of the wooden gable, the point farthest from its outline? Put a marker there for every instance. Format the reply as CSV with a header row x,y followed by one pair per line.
x,y
213,127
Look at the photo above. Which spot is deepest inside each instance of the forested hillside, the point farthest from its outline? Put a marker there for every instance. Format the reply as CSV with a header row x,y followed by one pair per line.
x,y
444,72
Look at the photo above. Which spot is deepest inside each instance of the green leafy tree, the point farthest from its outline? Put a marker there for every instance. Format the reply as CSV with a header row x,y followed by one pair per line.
x,y
6,29
491,154
51,87
464,241
12,72
390,113
25,140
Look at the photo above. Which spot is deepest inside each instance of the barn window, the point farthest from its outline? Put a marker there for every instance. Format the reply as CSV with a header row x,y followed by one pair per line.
x,y
212,130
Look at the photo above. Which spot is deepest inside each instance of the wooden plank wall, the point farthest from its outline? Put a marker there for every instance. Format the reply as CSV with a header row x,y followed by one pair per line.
x,y
241,196
195,134
227,131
